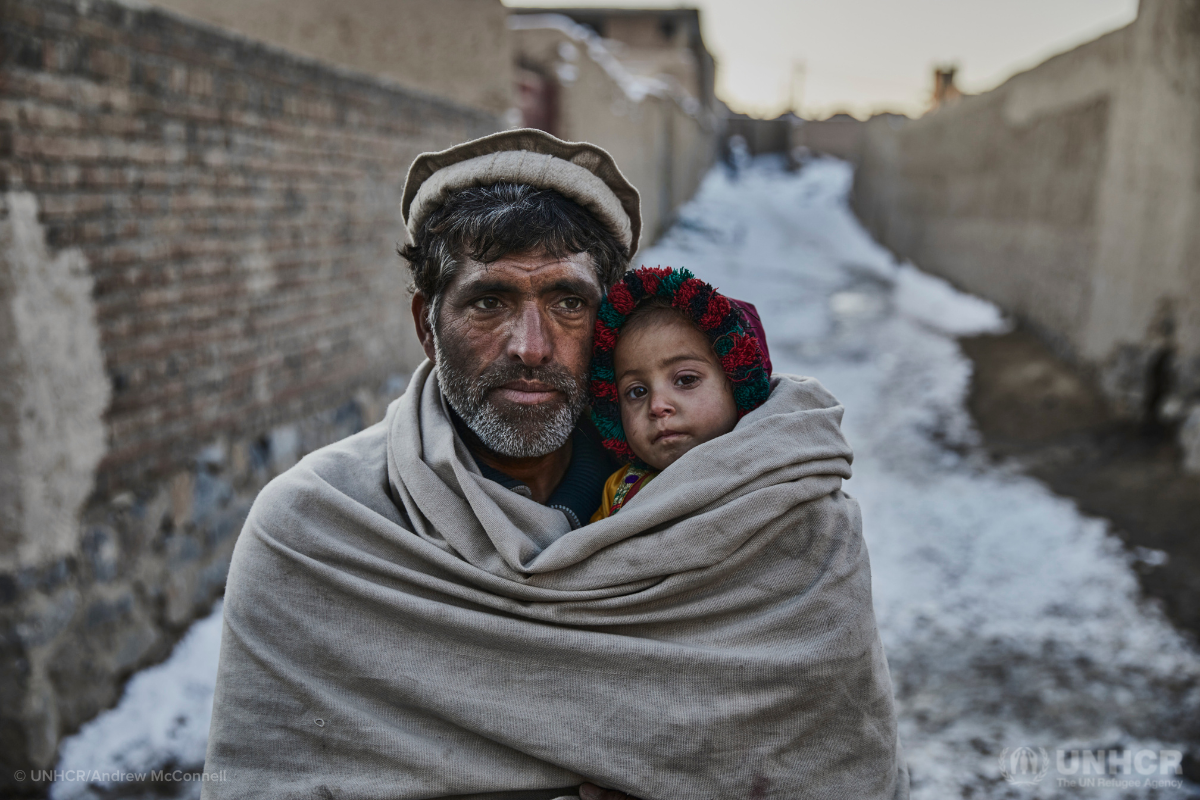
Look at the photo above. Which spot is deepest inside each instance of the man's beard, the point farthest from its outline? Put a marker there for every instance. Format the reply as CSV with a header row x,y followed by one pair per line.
x,y
513,430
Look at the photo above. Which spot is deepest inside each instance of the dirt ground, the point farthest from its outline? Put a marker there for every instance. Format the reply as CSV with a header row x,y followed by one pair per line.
x,y
1034,408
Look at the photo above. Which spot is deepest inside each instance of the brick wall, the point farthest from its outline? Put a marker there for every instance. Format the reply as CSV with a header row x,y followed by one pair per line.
x,y
236,206
199,275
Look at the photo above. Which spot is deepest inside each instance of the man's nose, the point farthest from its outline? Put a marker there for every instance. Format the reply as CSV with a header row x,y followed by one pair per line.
x,y
530,341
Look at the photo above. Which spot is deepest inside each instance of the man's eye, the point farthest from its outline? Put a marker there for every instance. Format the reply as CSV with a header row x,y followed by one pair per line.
x,y
487,303
571,303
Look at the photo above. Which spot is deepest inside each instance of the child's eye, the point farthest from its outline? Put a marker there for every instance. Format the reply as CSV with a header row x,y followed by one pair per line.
x,y
687,380
635,392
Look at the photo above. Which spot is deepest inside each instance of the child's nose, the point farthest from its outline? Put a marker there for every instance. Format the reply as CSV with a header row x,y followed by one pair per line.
x,y
661,405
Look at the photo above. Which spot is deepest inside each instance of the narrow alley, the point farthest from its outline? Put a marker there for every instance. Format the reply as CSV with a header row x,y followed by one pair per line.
x,y
1010,620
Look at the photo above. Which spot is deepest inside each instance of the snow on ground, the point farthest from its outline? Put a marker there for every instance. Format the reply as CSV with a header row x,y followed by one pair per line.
x,y
160,723
1009,619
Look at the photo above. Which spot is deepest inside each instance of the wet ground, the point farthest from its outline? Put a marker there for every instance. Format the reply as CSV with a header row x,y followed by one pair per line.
x,y
1027,661
1037,410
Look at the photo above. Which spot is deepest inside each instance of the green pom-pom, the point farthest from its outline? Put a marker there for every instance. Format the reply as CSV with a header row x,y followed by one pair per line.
x,y
751,393
610,316
601,372
744,396
608,428
669,285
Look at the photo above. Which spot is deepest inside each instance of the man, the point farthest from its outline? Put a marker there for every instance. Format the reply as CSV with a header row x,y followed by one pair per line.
x,y
507,281
521,321
416,612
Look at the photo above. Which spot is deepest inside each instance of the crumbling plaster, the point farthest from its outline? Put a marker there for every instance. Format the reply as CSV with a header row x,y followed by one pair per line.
x,y
55,390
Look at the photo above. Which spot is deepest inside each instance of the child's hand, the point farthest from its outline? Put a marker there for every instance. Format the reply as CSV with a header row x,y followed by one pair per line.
x,y
590,791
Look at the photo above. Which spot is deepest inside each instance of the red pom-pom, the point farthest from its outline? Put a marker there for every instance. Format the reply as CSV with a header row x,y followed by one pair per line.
x,y
744,353
652,276
621,449
604,390
620,298
605,337
686,292
718,309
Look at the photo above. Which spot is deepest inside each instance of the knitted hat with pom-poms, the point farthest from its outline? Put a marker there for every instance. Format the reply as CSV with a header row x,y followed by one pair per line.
x,y
732,339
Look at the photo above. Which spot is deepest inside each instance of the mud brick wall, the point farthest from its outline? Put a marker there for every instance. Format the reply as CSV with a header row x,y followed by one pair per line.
x,y
1069,195
198,283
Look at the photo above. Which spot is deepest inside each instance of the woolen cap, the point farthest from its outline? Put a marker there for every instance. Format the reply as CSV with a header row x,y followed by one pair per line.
x,y
736,343
582,172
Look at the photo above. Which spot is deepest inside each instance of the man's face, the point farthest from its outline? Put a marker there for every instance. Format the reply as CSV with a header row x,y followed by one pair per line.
x,y
513,342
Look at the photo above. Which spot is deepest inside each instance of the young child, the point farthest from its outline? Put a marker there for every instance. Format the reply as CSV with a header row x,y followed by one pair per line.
x,y
675,364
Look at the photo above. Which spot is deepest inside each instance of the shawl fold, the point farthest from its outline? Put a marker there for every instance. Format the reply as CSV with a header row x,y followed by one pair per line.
x,y
398,626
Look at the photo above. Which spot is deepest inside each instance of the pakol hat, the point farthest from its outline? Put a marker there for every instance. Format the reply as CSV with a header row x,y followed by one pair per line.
x,y
739,345
582,172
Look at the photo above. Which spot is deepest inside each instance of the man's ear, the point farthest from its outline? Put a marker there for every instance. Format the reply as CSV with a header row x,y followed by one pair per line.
x,y
420,312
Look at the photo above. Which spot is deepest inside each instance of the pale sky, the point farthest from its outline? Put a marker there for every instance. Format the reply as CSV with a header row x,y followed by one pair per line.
x,y
875,55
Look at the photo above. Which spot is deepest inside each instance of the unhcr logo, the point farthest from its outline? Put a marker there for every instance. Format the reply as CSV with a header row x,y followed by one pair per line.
x,y
1024,765
1094,768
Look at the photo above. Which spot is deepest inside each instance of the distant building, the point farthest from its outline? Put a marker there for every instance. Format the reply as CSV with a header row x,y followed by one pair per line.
x,y
945,91
839,135
637,82
762,136
651,43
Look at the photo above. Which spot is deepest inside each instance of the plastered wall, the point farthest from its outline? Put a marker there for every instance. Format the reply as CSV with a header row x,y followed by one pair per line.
x,y
1070,195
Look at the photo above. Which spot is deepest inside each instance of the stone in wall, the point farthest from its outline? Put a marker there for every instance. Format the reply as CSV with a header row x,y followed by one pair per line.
x,y
457,49
145,563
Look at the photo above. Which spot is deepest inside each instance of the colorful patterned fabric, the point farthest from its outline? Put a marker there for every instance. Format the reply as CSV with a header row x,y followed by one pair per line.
x,y
732,339
620,488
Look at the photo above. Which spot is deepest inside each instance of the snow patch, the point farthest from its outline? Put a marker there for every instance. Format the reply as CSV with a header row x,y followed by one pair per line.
x,y
161,721
933,301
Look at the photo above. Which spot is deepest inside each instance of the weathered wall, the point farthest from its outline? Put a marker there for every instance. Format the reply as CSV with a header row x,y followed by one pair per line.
x,y
198,284
1070,196
840,136
762,135
456,49
663,141
1145,286
997,197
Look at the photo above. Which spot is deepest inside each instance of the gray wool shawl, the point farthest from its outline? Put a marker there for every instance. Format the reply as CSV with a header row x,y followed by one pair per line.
x,y
398,626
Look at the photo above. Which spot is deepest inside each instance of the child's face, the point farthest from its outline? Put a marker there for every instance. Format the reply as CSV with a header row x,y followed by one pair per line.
x,y
673,393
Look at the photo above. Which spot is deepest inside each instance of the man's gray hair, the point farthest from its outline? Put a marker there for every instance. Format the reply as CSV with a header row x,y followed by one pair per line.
x,y
486,223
